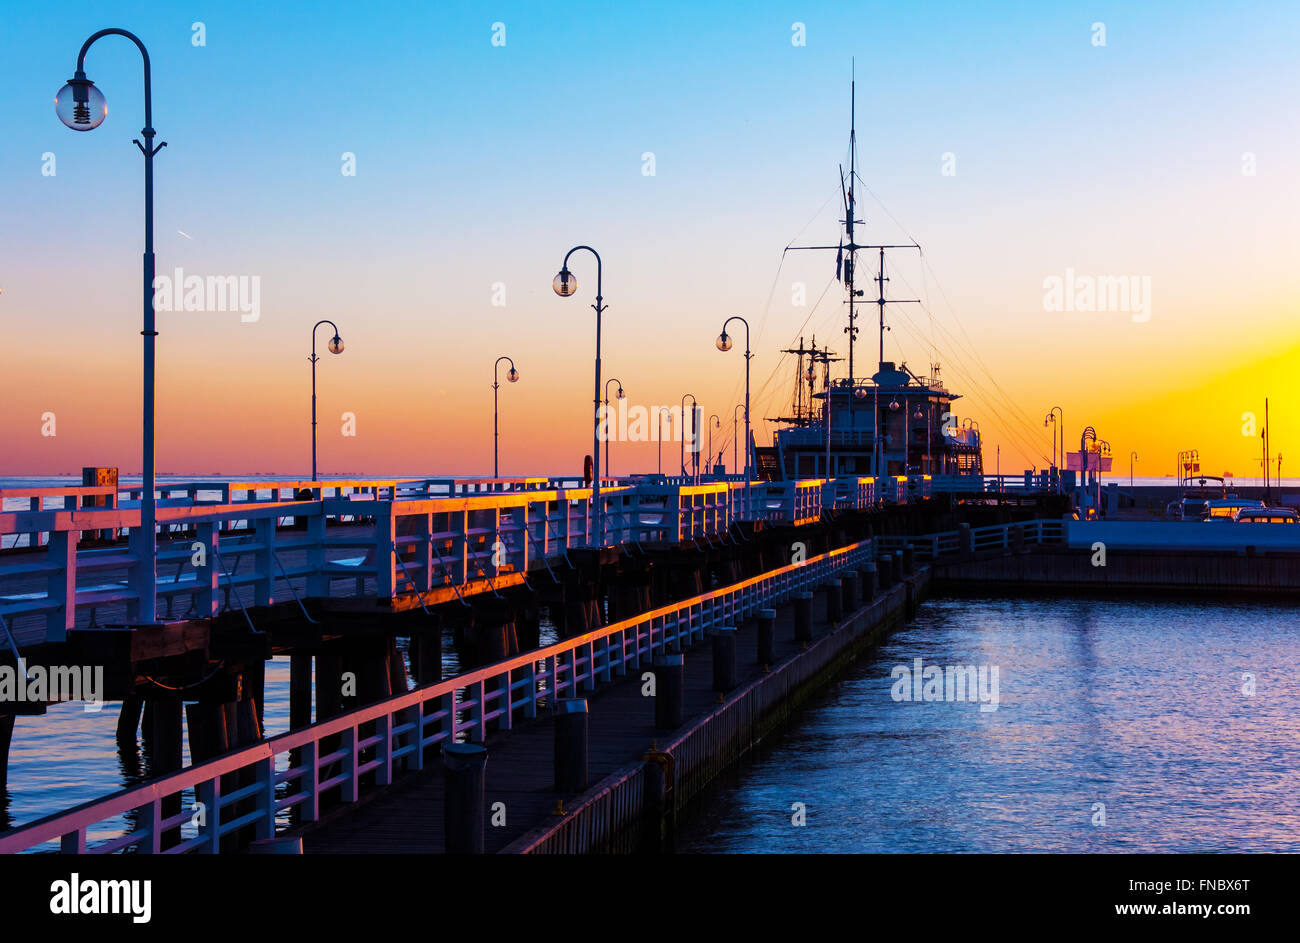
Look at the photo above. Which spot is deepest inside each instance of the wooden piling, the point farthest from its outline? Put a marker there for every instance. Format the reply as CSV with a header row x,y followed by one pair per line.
x,y
128,720
300,690
6,737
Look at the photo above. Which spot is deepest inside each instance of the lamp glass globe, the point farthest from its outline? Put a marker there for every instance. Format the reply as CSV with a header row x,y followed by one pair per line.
x,y
565,283
80,105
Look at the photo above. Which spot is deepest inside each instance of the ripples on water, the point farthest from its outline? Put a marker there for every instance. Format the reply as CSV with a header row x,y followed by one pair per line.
x,y
1136,704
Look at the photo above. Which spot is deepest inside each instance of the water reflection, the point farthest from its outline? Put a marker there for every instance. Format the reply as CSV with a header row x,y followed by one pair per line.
x,y
1129,708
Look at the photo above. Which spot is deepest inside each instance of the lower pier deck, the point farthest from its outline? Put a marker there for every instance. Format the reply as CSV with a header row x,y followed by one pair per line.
x,y
408,817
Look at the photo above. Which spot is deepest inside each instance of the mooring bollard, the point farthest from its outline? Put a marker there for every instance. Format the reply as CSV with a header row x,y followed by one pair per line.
x,y
724,658
766,636
571,744
868,575
885,570
465,798
670,691
849,584
803,605
834,600
909,560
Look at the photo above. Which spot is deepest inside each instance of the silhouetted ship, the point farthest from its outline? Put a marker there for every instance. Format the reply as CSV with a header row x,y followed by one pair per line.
x,y
894,424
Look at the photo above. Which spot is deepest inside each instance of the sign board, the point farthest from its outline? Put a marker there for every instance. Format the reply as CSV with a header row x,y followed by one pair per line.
x,y
1087,461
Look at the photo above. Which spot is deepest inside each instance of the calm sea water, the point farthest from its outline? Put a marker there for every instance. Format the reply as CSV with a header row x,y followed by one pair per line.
x,y
1137,706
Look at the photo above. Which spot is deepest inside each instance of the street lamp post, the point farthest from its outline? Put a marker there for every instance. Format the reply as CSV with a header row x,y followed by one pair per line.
x,y
335,347
1103,448
660,435
620,395
735,441
681,448
1052,417
81,106
513,377
1132,457
714,423
724,344
565,284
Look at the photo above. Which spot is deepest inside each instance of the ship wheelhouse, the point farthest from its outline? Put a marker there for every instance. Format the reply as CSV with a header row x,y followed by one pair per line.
x,y
919,432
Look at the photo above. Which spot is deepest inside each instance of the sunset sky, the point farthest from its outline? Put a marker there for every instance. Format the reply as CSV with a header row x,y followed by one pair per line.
x,y
479,165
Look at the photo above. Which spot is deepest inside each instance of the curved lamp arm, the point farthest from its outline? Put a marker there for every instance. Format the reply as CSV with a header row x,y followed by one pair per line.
x,y
314,329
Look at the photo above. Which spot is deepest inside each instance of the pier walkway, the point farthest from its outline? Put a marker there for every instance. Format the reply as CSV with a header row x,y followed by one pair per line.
x,y
520,770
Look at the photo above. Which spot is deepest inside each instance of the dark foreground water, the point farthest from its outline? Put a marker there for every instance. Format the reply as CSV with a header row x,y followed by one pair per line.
x,y
1119,726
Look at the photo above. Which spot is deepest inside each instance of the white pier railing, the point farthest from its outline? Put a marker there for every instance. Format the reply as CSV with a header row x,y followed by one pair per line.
x,y
226,545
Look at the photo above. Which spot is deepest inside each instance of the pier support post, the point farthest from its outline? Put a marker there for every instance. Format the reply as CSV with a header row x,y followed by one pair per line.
x,y
834,600
128,720
299,691
899,573
670,691
166,755
965,541
6,737
571,750
658,791
397,680
426,656
329,686
909,561
849,584
724,659
465,799
766,636
253,686
803,605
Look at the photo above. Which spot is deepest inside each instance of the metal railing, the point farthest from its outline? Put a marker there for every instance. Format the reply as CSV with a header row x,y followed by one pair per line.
x,y
978,539
363,538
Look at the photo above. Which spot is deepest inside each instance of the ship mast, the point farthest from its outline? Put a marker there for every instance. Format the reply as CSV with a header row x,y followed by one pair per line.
x,y
845,271
852,329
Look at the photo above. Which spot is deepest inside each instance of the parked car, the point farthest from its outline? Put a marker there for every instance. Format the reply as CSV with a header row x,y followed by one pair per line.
x,y
1188,509
1263,515
1225,509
